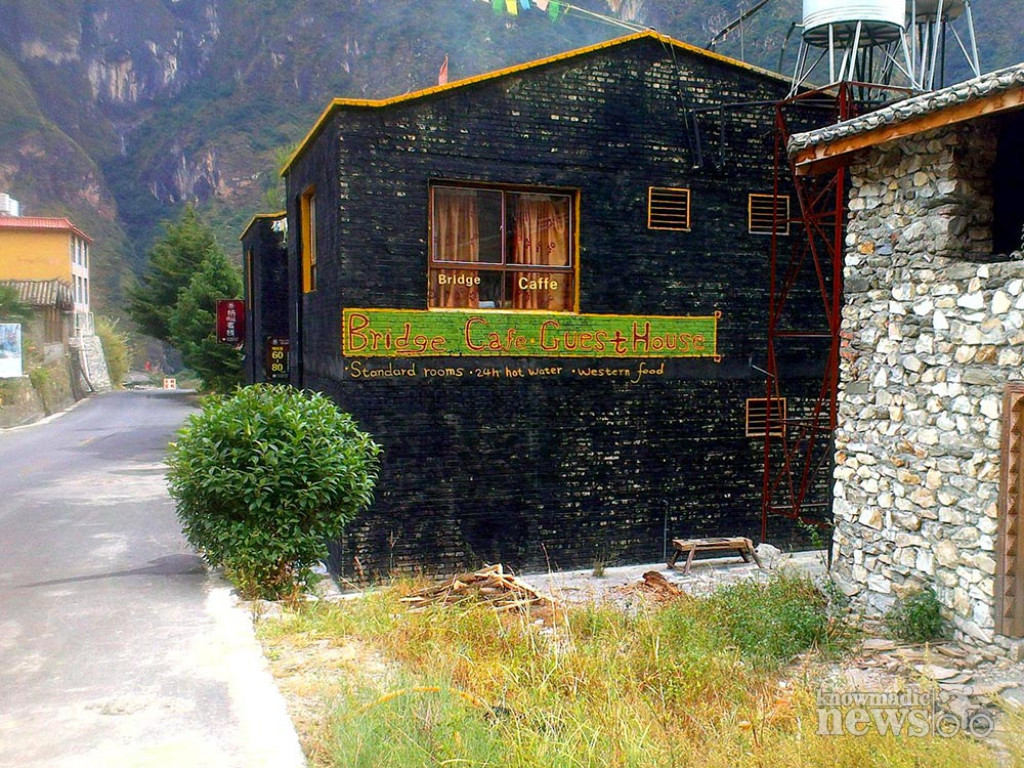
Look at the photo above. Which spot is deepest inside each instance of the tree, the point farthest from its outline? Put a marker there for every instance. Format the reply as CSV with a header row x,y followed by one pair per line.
x,y
193,323
12,308
173,261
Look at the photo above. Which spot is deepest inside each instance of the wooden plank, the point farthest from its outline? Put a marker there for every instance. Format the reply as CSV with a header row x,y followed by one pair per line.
x,y
1009,573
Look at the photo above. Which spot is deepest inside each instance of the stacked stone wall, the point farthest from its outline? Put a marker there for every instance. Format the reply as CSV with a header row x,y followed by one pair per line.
x,y
933,329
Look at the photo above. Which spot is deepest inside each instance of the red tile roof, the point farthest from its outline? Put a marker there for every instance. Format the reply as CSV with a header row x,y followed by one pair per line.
x,y
39,222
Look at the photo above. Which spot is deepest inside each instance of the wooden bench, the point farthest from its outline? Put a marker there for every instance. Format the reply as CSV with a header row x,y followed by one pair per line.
x,y
742,546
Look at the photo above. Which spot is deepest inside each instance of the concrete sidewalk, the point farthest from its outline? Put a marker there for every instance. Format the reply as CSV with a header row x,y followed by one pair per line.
x,y
117,648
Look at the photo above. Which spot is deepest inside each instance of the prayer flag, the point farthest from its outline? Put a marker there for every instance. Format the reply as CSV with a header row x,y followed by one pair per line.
x,y
511,7
541,4
442,75
525,4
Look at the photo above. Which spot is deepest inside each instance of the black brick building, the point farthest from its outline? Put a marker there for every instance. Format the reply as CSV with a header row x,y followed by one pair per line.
x,y
265,267
544,291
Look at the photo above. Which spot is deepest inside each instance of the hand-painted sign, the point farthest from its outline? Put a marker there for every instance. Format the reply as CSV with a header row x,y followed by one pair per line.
x,y
230,321
277,358
420,333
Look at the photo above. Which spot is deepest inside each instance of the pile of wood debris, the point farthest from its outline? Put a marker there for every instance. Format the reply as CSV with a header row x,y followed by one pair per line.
x,y
490,585
655,587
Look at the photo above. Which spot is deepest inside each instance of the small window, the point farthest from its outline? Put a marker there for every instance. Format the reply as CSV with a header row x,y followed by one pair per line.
x,y
501,248
668,208
761,214
758,416
307,215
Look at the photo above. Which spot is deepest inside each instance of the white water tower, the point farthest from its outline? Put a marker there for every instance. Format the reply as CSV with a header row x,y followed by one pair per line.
x,y
883,42
862,41
939,29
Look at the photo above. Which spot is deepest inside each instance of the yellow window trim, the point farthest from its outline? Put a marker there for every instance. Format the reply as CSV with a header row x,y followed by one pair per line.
x,y
757,416
307,217
761,214
668,208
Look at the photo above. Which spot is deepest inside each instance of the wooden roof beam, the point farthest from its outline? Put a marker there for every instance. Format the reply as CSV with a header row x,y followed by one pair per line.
x,y
829,155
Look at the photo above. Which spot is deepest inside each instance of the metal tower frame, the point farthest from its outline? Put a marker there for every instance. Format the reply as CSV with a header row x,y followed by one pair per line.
x,y
798,443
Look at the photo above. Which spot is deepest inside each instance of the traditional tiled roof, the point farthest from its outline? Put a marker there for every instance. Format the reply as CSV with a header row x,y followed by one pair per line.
x,y
43,293
40,222
988,84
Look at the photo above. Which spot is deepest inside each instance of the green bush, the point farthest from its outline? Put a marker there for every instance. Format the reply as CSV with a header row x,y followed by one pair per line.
x,y
916,617
770,622
116,350
264,478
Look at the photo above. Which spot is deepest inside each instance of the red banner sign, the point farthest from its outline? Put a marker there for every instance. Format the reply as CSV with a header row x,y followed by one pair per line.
x,y
230,321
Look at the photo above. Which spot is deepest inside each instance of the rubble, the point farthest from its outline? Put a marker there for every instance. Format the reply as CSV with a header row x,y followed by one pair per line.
x,y
491,584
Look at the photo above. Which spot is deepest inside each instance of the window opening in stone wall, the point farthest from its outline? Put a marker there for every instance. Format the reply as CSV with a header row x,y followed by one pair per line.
x,y
1010,568
761,214
758,416
307,216
1008,191
501,248
668,208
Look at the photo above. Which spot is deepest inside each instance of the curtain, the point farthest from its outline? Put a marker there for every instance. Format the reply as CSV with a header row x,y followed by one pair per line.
x,y
541,238
457,238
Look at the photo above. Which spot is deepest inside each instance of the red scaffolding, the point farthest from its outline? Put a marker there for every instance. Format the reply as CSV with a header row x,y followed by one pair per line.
x,y
798,443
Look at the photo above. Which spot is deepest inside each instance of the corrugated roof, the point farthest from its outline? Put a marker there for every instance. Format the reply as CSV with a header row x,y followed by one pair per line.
x,y
43,293
41,222
990,84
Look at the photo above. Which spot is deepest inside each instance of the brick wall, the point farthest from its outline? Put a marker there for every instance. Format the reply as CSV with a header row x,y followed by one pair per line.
x,y
265,253
561,470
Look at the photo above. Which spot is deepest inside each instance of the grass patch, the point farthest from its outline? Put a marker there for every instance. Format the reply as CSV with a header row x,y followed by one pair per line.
x,y
695,682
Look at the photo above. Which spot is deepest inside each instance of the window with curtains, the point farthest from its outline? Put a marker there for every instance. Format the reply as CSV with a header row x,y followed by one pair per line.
x,y
495,248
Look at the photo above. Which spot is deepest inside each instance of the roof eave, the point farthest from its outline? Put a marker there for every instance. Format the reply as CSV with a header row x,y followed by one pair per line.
x,y
260,217
378,103
829,153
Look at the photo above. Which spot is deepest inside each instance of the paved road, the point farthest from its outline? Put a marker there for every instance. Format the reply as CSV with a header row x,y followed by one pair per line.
x,y
116,647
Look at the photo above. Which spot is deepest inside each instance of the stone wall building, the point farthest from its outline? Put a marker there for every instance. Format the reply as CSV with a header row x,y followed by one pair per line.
x,y
929,483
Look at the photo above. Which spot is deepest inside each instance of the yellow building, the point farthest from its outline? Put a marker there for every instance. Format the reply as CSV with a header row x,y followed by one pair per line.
x,y
35,248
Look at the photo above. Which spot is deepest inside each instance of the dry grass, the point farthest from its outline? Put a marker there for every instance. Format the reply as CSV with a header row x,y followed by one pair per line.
x,y
374,685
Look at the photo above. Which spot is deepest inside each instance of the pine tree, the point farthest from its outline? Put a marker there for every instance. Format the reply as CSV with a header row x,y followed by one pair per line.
x,y
193,320
173,261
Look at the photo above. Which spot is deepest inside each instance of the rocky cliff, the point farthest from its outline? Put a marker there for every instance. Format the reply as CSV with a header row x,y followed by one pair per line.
x,y
117,112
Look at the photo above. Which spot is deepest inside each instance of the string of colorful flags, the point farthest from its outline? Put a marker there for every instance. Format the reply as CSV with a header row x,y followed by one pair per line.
x,y
553,8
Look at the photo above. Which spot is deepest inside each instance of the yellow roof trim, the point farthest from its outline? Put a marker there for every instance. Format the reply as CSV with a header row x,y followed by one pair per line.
x,y
378,103
258,217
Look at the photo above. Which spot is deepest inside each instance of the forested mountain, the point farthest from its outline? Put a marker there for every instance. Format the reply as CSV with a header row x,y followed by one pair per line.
x,y
118,112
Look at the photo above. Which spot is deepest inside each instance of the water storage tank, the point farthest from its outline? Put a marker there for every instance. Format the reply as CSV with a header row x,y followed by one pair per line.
x,y
880,21
951,9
